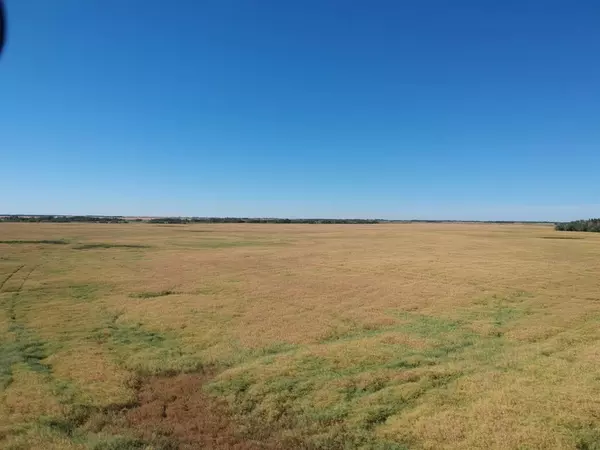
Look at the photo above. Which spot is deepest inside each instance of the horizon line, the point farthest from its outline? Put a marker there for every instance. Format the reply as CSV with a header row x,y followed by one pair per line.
x,y
183,217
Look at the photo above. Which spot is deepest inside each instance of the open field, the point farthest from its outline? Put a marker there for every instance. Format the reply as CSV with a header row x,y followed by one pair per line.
x,y
431,336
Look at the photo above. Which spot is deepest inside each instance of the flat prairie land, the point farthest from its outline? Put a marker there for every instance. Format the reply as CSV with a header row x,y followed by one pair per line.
x,y
388,336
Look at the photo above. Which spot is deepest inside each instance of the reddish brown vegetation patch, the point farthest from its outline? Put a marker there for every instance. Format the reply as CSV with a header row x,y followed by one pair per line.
x,y
177,409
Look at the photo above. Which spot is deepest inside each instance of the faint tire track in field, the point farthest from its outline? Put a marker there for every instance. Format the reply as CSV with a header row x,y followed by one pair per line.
x,y
10,275
26,278
11,307
27,346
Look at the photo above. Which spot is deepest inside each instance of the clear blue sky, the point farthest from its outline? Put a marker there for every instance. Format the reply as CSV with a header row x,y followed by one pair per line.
x,y
391,109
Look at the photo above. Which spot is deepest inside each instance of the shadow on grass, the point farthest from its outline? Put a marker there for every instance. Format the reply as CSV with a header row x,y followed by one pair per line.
x,y
561,237
152,294
103,245
41,241
199,231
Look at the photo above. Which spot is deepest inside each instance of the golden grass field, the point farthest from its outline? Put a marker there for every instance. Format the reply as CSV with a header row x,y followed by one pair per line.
x,y
388,336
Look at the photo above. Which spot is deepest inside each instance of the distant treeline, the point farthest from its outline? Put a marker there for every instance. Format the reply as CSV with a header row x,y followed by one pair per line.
x,y
63,219
186,220
580,225
190,220
501,222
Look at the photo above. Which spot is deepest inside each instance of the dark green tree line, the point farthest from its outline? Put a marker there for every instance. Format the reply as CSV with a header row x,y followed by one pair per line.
x,y
580,225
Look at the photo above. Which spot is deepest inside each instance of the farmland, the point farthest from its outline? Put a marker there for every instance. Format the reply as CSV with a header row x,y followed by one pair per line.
x,y
248,336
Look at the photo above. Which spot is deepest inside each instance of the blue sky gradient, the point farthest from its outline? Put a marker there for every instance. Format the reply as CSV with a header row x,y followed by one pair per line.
x,y
389,109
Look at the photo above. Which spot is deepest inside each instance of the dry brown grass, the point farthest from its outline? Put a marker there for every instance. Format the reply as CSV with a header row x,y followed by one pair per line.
x,y
177,408
319,336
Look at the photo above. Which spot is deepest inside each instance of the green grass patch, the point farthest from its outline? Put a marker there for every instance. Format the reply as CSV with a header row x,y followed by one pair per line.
x,y
131,336
26,349
366,385
587,438
147,352
347,330
499,310
20,345
363,395
87,425
85,291
265,354
428,326
121,443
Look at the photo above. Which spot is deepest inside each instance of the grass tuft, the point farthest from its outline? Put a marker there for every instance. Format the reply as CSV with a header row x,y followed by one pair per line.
x,y
123,443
